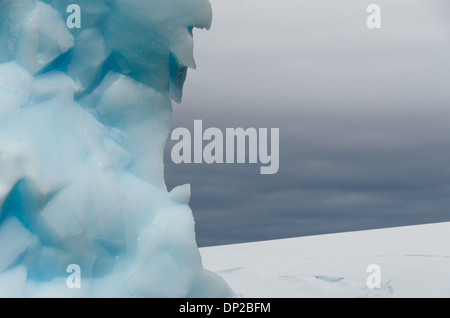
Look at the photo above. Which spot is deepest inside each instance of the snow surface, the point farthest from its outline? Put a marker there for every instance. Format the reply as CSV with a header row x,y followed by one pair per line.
x,y
414,262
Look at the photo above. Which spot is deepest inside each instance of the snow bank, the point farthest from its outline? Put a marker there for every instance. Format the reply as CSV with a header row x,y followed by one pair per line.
x,y
84,117
411,261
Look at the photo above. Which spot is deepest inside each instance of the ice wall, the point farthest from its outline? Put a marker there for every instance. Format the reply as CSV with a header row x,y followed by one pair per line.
x,y
84,117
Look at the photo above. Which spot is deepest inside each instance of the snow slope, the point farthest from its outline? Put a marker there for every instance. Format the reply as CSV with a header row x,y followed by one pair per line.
x,y
414,261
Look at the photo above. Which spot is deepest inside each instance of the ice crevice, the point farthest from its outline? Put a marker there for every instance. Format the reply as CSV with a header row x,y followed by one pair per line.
x,y
84,117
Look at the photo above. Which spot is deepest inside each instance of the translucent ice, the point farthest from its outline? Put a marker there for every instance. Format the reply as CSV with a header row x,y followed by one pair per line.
x,y
84,117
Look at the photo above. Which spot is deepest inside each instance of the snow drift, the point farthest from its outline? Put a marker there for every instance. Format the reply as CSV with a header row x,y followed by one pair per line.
x,y
412,261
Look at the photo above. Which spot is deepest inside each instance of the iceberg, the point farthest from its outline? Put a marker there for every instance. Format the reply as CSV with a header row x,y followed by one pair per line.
x,y
84,116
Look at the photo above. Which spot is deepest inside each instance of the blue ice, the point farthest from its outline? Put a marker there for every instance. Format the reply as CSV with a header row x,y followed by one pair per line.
x,y
84,117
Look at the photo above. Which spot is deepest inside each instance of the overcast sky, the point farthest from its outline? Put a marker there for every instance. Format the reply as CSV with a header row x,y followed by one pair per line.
x,y
364,117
